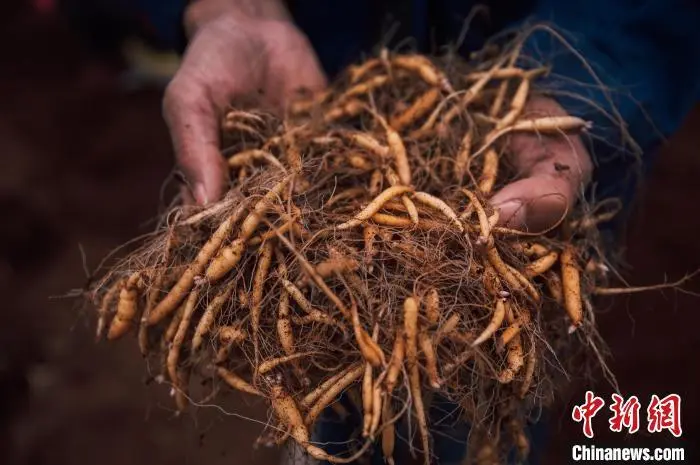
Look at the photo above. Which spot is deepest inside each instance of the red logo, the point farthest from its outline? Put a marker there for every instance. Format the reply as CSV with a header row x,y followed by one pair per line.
x,y
585,412
662,414
665,414
625,414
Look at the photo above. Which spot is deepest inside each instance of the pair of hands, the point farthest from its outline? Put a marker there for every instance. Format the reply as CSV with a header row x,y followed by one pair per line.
x,y
233,53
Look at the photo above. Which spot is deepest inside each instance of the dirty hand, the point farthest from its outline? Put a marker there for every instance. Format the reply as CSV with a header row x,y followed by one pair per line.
x,y
552,172
237,49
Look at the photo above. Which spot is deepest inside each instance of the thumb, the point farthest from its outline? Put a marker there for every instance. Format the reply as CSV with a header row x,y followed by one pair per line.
x,y
193,125
535,203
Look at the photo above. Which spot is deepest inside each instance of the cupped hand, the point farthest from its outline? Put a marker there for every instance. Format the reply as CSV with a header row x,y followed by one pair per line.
x,y
231,55
552,171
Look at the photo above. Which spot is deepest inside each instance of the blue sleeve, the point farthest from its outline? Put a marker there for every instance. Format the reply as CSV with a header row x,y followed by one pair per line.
x,y
647,55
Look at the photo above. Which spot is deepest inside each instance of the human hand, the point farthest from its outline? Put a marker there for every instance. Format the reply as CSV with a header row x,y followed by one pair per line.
x,y
552,171
234,52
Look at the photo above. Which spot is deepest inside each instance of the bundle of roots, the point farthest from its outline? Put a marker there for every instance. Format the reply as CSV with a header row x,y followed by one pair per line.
x,y
356,253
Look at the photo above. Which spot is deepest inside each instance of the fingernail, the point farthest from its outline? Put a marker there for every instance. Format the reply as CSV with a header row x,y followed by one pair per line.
x,y
512,213
200,194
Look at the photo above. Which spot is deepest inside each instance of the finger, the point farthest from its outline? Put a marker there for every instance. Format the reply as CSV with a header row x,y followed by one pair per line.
x,y
192,120
554,171
535,203
186,196
294,66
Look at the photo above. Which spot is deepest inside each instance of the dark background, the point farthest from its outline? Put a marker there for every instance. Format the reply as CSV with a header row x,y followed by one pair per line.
x,y
82,164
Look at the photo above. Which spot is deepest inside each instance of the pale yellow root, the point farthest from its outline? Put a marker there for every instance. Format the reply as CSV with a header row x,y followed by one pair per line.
x,y
462,358
236,382
232,126
247,157
407,203
555,287
497,318
170,331
350,193
181,400
336,264
361,163
426,344
369,235
526,283
367,399
541,265
285,333
375,182
432,306
309,269
174,352
159,281
288,413
184,284
315,314
344,110
332,393
229,256
267,235
529,375
292,153
532,250
261,272
364,88
391,220
388,433
489,171
633,289
476,204
518,103
425,69
358,71
370,144
243,298
310,398
508,273
417,110
398,151
127,307
548,125
209,316
377,401
447,328
508,72
439,205
463,155
514,361
233,115
411,329
375,206
269,365
571,286
228,337
513,330
395,362
469,96
370,350
107,301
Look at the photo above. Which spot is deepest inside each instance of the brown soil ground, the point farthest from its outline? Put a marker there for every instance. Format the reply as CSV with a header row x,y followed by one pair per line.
x,y
82,167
